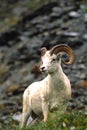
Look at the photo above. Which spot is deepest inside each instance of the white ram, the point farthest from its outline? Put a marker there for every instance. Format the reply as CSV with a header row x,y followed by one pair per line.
x,y
54,91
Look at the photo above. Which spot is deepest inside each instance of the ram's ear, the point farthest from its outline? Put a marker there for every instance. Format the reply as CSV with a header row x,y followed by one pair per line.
x,y
43,51
59,55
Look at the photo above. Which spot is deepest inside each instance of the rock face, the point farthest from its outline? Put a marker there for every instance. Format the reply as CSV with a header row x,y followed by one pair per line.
x,y
51,24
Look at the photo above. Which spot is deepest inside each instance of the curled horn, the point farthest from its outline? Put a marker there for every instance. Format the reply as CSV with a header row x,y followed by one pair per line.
x,y
62,47
43,51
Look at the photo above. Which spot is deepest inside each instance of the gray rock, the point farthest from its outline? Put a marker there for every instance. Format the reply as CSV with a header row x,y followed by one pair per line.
x,y
56,11
71,34
85,37
17,117
85,17
73,14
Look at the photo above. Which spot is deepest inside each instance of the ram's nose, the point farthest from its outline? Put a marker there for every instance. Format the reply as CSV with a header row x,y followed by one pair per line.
x,y
42,69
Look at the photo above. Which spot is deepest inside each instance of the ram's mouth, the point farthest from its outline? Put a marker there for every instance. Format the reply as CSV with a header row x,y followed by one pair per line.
x,y
44,71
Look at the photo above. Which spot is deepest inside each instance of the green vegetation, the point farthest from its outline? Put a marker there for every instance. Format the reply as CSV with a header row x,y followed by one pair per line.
x,y
85,9
74,120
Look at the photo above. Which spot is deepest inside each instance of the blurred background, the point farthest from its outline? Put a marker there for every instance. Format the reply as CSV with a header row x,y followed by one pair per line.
x,y
25,27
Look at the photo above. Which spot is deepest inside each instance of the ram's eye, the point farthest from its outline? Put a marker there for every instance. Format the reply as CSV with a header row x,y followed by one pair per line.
x,y
53,60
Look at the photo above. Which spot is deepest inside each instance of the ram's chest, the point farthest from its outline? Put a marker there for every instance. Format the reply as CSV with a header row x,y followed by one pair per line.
x,y
56,100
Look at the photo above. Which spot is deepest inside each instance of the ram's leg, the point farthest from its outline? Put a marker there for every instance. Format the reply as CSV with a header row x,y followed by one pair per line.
x,y
26,109
45,109
33,122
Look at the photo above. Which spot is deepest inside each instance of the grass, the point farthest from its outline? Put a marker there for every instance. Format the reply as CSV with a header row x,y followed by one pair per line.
x,y
85,9
74,120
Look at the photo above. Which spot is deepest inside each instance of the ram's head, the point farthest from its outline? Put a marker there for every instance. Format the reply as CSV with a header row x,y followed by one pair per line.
x,y
51,59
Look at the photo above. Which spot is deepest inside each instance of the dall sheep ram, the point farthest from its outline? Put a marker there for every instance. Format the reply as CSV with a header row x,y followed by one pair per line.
x,y
53,92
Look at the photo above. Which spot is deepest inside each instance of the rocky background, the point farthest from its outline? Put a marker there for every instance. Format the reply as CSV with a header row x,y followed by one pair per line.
x,y
27,26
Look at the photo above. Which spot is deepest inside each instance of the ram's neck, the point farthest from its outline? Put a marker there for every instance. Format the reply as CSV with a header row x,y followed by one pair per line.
x,y
57,79
59,72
